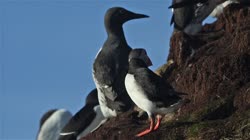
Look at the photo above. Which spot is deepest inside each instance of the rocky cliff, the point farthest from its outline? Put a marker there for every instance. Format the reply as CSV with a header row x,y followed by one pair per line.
x,y
213,68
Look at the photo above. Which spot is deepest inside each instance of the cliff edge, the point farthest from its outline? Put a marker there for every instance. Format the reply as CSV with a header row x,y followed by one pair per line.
x,y
213,68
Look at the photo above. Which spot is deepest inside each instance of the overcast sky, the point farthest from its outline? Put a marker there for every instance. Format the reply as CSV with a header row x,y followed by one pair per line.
x,y
47,51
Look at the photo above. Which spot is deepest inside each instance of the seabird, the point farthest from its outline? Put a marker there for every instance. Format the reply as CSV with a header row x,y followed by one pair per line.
x,y
149,91
111,64
189,14
85,120
182,15
52,123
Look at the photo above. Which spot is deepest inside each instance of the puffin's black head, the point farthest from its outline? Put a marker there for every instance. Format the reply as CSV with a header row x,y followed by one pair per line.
x,y
140,54
92,98
118,15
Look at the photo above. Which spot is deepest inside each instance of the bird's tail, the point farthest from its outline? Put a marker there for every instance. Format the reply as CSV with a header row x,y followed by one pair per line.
x,y
174,107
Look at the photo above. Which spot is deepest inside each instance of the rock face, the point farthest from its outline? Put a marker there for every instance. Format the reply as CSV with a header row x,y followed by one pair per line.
x,y
213,68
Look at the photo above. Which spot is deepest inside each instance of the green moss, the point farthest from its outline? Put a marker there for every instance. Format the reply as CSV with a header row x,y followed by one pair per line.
x,y
194,130
218,109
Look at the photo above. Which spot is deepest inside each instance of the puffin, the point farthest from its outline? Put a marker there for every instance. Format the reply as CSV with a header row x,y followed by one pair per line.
x,y
52,123
149,91
84,121
111,64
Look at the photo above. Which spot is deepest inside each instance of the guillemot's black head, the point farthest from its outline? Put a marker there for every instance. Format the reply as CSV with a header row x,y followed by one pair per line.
x,y
46,116
92,98
140,54
116,16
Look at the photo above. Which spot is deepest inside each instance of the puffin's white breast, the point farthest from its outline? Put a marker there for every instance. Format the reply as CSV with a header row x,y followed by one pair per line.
x,y
137,94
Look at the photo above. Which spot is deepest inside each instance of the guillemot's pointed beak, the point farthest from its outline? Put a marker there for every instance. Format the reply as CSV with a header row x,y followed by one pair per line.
x,y
140,16
132,15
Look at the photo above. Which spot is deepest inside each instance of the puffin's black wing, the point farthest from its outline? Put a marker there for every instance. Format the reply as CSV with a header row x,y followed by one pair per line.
x,y
155,88
79,121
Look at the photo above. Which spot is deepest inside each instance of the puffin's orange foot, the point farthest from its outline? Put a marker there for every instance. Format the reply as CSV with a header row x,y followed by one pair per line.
x,y
159,117
144,132
147,130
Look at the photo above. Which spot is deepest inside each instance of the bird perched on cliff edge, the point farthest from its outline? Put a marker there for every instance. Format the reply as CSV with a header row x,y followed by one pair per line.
x,y
85,120
189,14
52,123
149,91
111,64
182,15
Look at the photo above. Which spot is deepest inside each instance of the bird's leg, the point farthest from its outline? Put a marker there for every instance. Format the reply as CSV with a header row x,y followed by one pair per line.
x,y
158,117
151,128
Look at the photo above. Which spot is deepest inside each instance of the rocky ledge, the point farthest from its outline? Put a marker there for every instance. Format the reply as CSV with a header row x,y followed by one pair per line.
x,y
213,68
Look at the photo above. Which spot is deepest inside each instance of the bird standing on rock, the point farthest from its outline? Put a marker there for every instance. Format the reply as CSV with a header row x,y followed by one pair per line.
x,y
84,121
111,64
149,91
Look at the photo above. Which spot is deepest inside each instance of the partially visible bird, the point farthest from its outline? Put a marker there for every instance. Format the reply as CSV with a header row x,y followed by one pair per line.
x,y
219,9
182,15
189,14
111,64
85,120
52,123
149,91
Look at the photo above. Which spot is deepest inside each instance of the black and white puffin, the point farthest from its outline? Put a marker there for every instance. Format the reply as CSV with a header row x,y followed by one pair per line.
x,y
149,91
111,64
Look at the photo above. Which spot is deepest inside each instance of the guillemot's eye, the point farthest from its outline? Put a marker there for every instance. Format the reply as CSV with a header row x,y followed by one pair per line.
x,y
121,11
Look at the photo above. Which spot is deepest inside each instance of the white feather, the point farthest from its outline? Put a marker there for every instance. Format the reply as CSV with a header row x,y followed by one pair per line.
x,y
219,9
137,94
98,52
107,112
52,127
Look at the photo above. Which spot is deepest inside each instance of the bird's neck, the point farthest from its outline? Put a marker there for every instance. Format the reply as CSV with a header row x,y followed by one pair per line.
x,y
134,64
116,32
